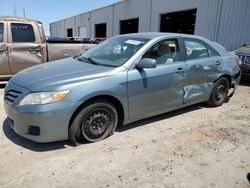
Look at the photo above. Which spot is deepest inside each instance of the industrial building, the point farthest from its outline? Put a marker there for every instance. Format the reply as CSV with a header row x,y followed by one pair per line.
x,y
224,21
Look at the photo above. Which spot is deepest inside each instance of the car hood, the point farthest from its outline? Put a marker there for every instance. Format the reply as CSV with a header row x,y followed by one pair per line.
x,y
58,73
243,50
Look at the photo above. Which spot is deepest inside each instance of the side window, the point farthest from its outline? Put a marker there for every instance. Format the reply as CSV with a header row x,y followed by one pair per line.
x,y
196,49
212,52
22,32
1,32
164,52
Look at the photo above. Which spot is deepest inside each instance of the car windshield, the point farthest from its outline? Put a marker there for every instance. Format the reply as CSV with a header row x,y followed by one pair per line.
x,y
115,51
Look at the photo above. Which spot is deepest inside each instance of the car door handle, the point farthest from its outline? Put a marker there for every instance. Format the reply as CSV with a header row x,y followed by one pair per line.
x,y
34,50
180,71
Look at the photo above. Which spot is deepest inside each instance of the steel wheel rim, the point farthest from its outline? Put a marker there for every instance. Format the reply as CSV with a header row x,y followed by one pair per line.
x,y
97,123
221,92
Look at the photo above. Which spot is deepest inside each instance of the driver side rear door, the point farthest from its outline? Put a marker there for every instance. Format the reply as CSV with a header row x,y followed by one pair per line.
x,y
204,65
25,46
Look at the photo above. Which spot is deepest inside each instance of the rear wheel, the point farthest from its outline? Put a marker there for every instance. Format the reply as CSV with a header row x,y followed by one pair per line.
x,y
95,122
219,92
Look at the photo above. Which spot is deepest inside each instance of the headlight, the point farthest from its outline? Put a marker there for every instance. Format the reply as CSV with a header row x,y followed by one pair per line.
x,y
43,97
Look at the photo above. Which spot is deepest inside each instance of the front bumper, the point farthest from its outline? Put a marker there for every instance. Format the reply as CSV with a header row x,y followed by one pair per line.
x,y
52,120
245,71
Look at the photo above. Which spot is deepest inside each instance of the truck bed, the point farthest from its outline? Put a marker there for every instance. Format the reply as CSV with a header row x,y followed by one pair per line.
x,y
63,49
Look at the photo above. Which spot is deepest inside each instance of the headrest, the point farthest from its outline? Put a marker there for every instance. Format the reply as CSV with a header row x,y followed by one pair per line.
x,y
163,49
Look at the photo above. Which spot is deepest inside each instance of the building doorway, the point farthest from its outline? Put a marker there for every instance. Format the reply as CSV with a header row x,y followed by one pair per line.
x,y
101,30
82,31
69,32
179,22
129,26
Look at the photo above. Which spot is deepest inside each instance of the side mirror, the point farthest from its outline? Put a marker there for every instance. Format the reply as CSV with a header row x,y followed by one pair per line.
x,y
244,45
146,63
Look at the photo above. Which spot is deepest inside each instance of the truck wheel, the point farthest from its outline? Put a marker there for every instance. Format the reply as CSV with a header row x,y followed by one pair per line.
x,y
219,92
95,122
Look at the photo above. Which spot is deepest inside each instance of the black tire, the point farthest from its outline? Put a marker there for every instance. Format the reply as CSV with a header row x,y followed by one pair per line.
x,y
219,92
94,122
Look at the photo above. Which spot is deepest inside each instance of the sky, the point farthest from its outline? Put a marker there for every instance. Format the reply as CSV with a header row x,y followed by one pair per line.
x,y
49,11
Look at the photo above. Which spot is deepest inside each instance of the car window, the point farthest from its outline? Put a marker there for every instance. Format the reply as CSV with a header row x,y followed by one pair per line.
x,y
164,52
212,52
22,32
1,32
195,49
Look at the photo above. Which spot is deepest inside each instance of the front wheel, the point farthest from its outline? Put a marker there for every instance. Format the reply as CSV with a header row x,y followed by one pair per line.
x,y
219,92
95,122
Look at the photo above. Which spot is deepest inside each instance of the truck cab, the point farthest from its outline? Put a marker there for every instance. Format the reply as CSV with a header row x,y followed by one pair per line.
x,y
22,44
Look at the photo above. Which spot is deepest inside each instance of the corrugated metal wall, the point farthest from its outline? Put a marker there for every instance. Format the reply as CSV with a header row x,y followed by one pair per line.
x,y
132,9
205,18
234,23
83,20
224,21
100,16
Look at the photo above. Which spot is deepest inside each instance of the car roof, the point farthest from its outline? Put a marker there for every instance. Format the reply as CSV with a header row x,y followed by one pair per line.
x,y
154,35
159,36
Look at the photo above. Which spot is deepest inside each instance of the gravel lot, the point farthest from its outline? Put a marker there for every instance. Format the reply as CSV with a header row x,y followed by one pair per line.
x,y
194,147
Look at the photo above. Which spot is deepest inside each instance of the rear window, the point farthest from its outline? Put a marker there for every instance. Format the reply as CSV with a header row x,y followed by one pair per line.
x,y
197,49
22,32
1,32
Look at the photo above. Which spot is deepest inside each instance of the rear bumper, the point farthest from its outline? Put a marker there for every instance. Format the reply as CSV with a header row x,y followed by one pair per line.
x,y
234,83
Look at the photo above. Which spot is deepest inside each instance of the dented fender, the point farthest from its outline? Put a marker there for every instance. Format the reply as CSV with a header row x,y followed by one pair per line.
x,y
197,91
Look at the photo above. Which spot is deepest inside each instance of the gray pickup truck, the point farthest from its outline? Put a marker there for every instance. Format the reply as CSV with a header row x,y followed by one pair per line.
x,y
23,44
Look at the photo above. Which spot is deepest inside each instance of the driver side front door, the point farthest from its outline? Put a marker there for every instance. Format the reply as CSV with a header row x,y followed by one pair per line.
x,y
156,90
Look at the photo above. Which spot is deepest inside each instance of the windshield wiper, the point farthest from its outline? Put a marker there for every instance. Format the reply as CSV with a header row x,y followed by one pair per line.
x,y
92,61
84,59
79,58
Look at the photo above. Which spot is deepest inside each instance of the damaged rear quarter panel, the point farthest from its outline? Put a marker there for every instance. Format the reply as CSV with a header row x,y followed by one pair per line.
x,y
202,74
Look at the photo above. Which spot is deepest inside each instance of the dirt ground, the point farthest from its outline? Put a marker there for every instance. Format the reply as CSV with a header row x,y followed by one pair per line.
x,y
194,147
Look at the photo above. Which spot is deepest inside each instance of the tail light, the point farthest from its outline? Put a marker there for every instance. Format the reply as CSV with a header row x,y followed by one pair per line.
x,y
238,60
